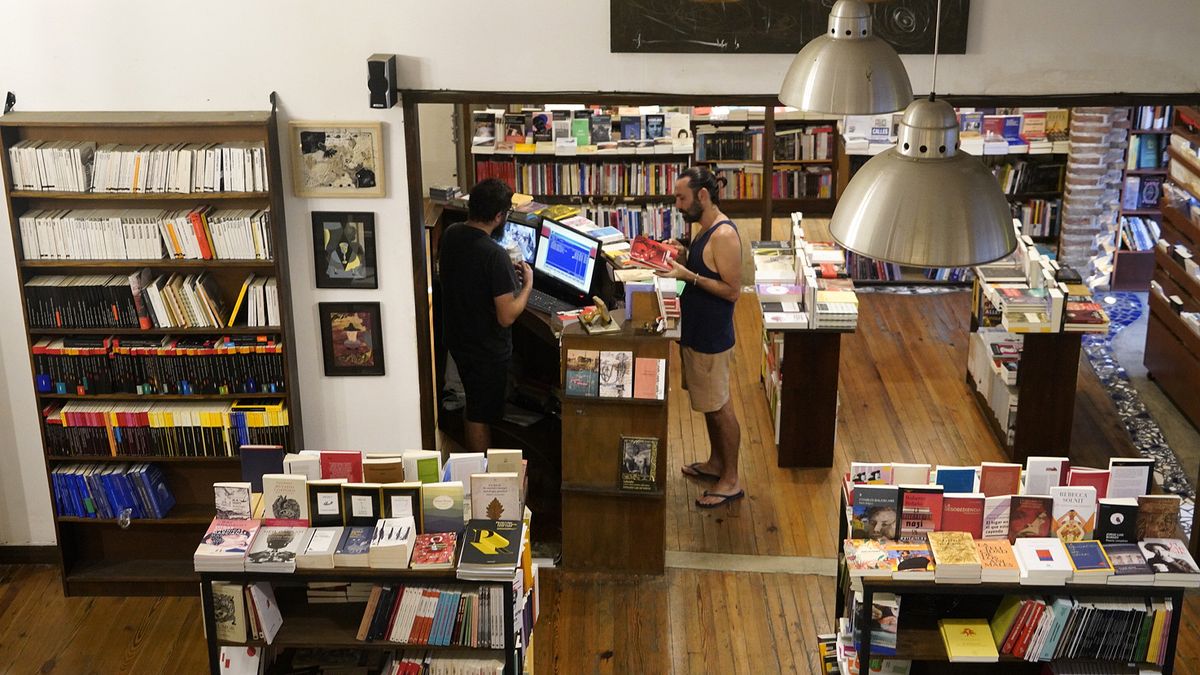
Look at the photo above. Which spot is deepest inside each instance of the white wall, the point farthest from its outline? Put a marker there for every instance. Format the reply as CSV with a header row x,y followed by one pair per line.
x,y
229,54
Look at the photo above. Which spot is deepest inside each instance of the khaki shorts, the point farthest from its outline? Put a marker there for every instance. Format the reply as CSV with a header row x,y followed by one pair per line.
x,y
706,378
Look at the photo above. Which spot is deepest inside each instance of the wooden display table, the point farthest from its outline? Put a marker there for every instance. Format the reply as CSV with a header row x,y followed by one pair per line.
x,y
808,395
606,528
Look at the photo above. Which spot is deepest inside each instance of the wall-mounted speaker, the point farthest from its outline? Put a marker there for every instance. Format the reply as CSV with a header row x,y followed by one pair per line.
x,y
381,80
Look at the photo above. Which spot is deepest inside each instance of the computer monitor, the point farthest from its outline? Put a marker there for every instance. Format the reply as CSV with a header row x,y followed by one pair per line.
x,y
524,236
566,256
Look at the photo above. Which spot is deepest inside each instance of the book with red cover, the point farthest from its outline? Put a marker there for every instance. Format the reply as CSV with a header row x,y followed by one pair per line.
x,y
1097,478
963,513
649,378
342,464
999,478
646,252
434,551
920,511
1030,516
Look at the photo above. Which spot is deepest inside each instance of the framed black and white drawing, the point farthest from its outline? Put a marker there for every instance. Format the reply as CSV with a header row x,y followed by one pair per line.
x,y
344,249
337,159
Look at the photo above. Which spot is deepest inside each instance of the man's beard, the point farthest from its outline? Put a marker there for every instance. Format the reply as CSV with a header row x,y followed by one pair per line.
x,y
693,213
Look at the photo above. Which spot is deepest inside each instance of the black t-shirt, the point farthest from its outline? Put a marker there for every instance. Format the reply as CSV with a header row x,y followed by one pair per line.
x,y
474,269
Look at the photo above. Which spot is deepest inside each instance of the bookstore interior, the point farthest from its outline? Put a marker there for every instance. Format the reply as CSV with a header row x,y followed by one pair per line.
x,y
956,431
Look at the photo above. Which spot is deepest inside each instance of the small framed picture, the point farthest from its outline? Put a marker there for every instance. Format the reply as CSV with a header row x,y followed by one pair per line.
x,y
639,458
344,249
352,338
337,159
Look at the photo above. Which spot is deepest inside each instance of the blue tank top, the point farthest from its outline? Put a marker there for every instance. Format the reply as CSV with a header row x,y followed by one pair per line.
x,y
706,324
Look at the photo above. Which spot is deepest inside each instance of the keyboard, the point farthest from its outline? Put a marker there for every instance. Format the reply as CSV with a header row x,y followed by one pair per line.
x,y
546,303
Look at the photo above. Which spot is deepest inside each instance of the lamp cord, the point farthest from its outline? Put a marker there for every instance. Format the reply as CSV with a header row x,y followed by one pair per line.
x,y
937,39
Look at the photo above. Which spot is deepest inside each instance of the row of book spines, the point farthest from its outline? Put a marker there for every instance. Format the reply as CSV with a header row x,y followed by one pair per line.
x,y
1021,623
150,444
107,491
422,615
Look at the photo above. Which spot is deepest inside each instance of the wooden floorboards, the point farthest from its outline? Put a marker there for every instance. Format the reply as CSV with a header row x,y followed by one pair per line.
x,y
903,397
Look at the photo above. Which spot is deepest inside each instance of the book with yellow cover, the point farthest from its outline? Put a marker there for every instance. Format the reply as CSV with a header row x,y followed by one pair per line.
x,y
954,549
968,640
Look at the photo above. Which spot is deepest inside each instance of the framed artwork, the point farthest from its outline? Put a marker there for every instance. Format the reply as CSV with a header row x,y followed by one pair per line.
x,y
351,337
639,457
337,159
344,249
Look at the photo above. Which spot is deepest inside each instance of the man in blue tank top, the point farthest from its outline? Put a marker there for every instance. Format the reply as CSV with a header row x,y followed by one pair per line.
x,y
712,268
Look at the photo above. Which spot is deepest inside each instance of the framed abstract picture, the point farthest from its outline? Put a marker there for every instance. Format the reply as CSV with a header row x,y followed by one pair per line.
x,y
351,337
344,249
337,159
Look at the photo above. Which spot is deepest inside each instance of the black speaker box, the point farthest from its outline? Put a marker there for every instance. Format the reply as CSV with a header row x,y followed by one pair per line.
x,y
381,80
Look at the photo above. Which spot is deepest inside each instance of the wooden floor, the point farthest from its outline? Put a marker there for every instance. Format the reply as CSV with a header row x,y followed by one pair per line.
x,y
903,395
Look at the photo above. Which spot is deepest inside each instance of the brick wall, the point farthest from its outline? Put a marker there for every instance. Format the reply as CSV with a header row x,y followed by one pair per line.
x,y
1099,137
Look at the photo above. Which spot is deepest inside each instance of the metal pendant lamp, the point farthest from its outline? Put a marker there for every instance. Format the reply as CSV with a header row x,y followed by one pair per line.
x,y
847,70
925,202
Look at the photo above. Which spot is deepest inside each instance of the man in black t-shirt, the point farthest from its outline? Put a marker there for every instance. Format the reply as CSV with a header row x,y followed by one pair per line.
x,y
483,293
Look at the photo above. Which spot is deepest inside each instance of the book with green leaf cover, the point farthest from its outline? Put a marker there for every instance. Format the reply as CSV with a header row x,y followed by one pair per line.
x,y
495,496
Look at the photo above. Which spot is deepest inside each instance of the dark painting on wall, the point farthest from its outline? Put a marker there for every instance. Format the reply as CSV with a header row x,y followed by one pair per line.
x,y
774,26
352,338
344,249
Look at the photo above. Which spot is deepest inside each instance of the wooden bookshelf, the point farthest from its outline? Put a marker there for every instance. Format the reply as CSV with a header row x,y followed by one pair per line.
x,y
153,557
763,207
1132,270
336,625
1172,352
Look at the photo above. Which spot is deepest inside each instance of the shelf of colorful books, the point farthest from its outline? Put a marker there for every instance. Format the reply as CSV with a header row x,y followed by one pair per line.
x,y
156,459
230,330
160,397
604,199
156,263
180,514
138,196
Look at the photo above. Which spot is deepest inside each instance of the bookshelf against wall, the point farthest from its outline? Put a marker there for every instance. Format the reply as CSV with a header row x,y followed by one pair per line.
x,y
1025,148
152,261
1172,354
1139,223
620,163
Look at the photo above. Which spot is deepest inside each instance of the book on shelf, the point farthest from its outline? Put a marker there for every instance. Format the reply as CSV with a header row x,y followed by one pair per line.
x,y
956,557
495,496
911,561
460,466
362,503
325,506
434,551
224,545
1130,477
275,549
392,543
353,550
1043,473
1116,521
110,491
920,511
875,512
345,464
1074,512
320,548
963,512
1089,562
999,478
442,506
1129,565
968,640
234,500
424,466
1171,562
382,469
649,378
402,500
491,549
1157,516
1043,561
997,563
285,499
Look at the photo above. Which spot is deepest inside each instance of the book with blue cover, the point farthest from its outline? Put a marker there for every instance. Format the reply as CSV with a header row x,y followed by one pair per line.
x,y
1088,556
956,478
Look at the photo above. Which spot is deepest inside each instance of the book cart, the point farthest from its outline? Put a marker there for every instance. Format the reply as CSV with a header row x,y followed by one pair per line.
x,y
334,626
99,556
920,640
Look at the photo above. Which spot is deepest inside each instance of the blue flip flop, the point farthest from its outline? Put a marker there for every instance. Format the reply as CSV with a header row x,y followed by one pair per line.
x,y
725,499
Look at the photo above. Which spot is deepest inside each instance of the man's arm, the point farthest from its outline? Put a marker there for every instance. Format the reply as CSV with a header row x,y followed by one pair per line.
x,y
510,305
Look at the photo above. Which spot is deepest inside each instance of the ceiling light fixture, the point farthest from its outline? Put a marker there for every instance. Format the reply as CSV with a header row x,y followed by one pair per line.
x,y
924,202
847,70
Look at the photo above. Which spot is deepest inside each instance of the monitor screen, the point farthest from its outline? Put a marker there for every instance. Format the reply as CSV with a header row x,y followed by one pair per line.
x,y
522,236
566,255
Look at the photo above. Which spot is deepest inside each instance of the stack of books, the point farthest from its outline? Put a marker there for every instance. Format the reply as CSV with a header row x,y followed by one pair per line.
x,y
956,557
